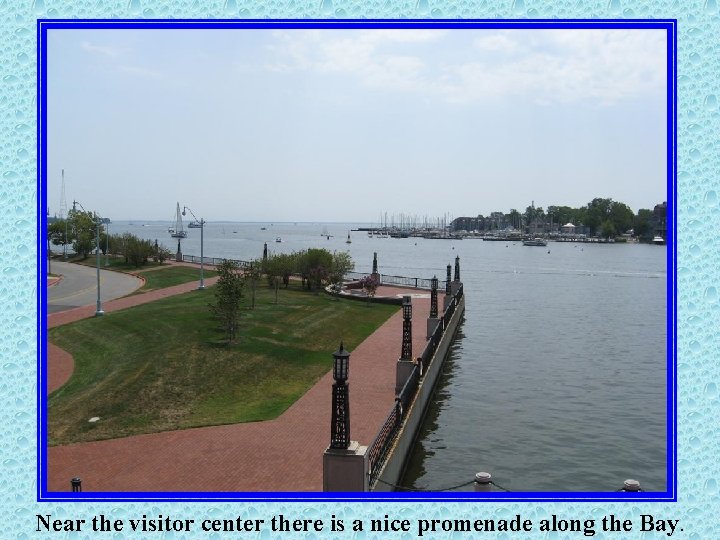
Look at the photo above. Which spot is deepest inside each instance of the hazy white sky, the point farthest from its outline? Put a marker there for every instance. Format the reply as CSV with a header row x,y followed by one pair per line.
x,y
341,125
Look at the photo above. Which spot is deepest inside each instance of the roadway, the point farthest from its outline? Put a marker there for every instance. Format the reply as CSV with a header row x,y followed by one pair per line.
x,y
78,287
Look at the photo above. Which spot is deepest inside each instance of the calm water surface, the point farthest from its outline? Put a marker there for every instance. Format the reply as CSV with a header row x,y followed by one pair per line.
x,y
558,379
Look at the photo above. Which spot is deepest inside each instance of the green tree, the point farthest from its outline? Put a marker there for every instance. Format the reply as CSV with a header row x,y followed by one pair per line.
x,y
642,224
81,232
607,229
228,295
136,251
342,263
621,217
253,272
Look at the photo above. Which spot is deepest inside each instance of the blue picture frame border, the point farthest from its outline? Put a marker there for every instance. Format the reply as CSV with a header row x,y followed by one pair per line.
x,y
669,25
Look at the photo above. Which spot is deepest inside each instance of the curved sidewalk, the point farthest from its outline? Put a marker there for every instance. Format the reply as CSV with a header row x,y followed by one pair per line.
x,y
284,454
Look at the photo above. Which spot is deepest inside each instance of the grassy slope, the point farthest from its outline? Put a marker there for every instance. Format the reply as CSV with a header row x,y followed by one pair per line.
x,y
162,366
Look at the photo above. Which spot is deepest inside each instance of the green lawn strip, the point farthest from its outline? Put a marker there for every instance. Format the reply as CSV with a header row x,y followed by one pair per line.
x,y
173,275
163,365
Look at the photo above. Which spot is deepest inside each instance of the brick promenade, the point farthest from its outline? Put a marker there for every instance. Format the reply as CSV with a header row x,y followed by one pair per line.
x,y
284,454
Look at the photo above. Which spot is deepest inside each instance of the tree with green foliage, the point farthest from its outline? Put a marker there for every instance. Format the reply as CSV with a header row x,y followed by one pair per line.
x,y
642,224
81,227
228,295
253,271
341,264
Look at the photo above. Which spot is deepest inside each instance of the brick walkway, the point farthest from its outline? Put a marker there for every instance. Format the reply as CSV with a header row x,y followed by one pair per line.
x,y
284,454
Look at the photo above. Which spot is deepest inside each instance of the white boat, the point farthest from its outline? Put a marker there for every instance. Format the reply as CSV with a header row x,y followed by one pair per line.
x,y
535,242
658,241
177,230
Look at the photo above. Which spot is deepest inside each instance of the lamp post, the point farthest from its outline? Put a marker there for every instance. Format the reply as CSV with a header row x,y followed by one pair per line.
x,y
433,297
47,233
107,241
406,350
202,229
340,422
98,309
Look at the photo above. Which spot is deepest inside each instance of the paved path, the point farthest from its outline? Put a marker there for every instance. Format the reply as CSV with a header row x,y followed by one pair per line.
x,y
78,287
284,454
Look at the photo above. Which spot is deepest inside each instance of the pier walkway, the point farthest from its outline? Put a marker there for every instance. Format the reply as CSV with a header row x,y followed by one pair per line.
x,y
284,454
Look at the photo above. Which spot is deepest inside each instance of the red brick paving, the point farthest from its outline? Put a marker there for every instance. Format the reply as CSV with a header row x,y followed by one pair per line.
x,y
284,454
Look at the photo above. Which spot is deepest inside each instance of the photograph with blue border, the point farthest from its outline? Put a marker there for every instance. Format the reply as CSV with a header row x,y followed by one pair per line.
x,y
570,387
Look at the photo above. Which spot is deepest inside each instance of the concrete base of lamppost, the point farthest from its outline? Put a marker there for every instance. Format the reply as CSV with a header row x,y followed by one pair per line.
x,y
345,469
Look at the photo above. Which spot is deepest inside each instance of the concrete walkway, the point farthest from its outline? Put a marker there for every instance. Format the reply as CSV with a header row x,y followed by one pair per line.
x,y
284,454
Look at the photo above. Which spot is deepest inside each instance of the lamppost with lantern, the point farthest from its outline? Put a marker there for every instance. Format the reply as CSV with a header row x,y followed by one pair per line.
x,y
201,221
340,423
98,310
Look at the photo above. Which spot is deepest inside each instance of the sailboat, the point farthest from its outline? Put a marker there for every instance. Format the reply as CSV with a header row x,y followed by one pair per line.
x,y
177,230
348,241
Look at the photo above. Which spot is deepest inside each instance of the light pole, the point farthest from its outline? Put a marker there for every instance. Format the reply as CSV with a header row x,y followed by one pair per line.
x,y
98,310
107,241
47,233
201,221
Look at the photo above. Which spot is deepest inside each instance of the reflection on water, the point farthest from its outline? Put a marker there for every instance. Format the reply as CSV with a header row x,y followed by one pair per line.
x,y
427,444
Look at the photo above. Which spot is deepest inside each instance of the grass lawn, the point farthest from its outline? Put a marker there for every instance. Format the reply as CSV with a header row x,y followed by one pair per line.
x,y
172,275
163,365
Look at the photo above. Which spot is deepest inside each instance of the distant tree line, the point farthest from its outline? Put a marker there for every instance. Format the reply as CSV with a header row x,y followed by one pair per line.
x,y
599,217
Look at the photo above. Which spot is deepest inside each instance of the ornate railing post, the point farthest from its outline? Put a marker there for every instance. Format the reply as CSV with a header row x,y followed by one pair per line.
x,y
457,268
374,270
447,281
265,252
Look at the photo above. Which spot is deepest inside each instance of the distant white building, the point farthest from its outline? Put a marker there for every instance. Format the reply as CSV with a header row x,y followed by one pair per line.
x,y
568,228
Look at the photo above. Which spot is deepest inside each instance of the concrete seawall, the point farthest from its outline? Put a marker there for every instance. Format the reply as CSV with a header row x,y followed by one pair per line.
x,y
394,466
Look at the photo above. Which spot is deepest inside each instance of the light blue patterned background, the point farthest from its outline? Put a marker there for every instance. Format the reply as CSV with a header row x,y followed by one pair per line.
x,y
697,266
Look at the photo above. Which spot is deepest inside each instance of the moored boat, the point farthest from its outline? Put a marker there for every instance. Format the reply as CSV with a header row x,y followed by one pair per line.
x,y
535,242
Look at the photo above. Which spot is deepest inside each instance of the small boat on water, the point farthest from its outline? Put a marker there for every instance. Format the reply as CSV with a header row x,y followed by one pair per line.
x,y
278,239
263,228
541,242
177,231
194,225
658,241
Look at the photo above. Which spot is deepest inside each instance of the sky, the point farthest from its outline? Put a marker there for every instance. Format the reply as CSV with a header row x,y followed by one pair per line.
x,y
343,125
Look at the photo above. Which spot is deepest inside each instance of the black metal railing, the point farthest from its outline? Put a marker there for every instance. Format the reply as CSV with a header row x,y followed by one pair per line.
x,y
380,448
215,261
403,281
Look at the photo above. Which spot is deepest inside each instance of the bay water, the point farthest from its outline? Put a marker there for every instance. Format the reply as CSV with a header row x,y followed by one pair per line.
x,y
558,378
